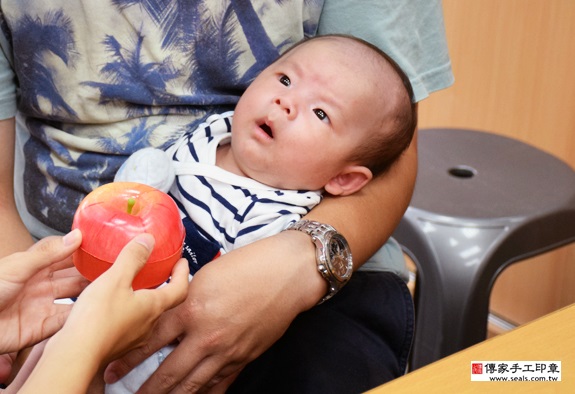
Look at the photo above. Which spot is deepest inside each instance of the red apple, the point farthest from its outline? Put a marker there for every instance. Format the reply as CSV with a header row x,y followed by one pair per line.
x,y
111,215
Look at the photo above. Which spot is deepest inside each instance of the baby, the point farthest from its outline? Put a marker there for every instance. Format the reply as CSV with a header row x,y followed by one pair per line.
x,y
329,115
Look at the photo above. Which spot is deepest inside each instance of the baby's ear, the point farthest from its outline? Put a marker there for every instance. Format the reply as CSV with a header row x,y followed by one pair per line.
x,y
350,180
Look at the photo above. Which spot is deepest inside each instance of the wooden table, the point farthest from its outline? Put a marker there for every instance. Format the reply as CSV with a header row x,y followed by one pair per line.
x,y
551,337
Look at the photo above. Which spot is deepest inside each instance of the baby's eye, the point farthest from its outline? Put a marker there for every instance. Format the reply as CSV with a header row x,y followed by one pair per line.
x,y
284,79
320,113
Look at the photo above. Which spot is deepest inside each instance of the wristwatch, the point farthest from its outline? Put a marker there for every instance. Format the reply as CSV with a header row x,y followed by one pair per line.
x,y
333,255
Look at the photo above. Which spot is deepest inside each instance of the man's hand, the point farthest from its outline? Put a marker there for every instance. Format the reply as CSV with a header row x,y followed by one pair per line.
x,y
237,307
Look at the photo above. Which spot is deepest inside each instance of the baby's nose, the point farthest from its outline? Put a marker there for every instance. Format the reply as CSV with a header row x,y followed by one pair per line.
x,y
286,105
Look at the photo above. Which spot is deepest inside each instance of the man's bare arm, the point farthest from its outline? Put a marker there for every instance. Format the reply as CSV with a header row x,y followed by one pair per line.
x,y
17,238
368,218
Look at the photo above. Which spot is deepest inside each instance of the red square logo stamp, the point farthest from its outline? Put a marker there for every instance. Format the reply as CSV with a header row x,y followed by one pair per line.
x,y
476,368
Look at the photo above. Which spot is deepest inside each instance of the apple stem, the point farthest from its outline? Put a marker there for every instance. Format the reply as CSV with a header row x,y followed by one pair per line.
x,y
131,202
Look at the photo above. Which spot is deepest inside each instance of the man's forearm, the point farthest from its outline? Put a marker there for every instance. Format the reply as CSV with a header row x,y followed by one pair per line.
x,y
14,236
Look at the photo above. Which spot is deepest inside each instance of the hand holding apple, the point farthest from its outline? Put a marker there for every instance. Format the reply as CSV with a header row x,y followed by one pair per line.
x,y
111,215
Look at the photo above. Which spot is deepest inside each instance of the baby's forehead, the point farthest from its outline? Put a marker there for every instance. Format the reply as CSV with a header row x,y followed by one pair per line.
x,y
354,56
340,47
367,63
327,52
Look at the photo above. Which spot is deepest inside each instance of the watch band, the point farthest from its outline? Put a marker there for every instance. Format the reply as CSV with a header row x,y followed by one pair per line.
x,y
335,269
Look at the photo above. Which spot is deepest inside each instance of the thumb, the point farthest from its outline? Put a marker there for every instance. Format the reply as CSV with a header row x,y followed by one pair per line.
x,y
48,251
132,258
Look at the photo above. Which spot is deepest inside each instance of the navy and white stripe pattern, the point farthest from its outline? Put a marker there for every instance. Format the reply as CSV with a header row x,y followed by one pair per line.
x,y
228,209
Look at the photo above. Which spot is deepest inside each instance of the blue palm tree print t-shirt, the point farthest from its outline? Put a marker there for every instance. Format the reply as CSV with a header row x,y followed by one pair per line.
x,y
101,79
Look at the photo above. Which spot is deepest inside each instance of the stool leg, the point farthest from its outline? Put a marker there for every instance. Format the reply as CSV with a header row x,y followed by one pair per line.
x,y
452,288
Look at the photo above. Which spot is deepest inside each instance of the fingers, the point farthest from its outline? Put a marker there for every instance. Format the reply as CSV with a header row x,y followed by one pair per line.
x,y
133,258
57,248
173,370
5,367
55,321
181,373
47,252
68,283
176,291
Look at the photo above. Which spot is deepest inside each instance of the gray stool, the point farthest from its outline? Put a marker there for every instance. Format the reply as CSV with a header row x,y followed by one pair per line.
x,y
481,202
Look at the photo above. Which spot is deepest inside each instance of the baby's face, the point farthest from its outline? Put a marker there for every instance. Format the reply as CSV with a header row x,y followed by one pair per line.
x,y
303,115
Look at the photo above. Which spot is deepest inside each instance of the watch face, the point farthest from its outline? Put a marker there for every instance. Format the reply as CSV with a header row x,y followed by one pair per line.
x,y
339,257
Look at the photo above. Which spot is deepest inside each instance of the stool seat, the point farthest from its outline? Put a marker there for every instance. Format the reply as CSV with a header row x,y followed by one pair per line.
x,y
481,202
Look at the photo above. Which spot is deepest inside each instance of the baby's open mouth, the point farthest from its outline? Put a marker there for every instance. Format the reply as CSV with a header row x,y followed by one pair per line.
x,y
267,130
